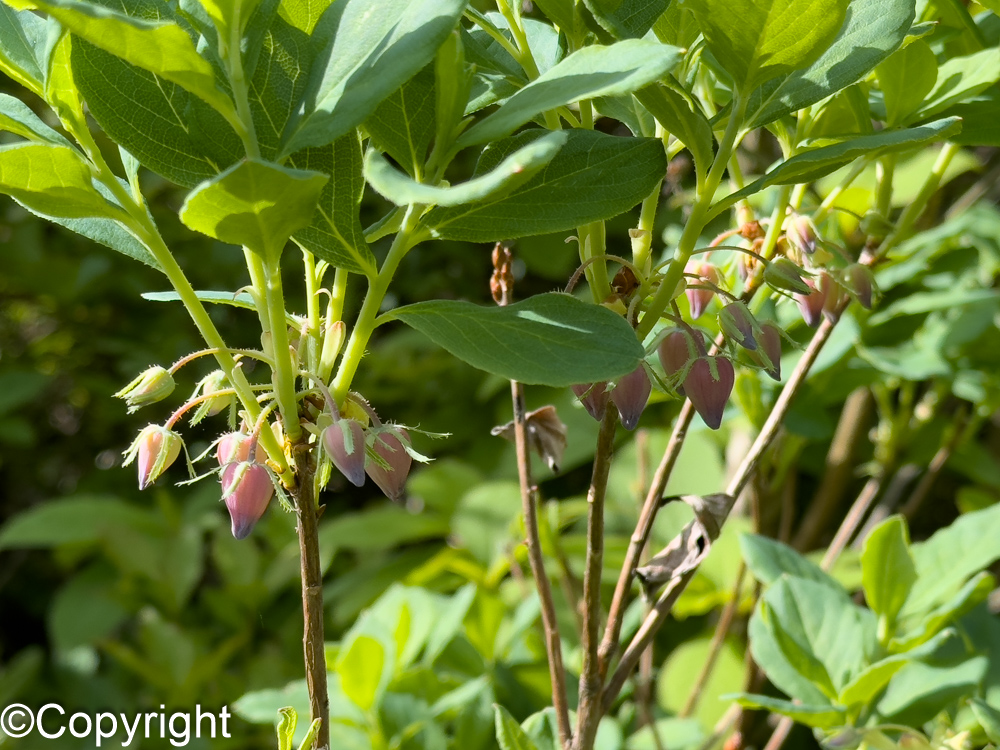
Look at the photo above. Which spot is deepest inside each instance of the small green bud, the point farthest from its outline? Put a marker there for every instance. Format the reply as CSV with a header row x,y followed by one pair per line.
x,y
782,274
153,385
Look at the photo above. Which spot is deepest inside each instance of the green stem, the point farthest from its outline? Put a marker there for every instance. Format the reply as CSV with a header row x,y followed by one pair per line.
x,y
334,312
238,81
314,341
695,224
405,239
642,235
525,57
885,168
284,370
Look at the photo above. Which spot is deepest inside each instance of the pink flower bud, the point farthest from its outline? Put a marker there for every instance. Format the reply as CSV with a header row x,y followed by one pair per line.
x,y
676,350
393,479
770,347
801,234
738,324
860,282
233,448
594,397
811,305
247,489
154,450
698,299
630,396
344,442
153,385
708,384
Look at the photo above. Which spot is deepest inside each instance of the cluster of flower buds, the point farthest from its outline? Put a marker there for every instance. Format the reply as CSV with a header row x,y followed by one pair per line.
x,y
344,441
698,298
247,485
153,385
154,450
820,300
706,380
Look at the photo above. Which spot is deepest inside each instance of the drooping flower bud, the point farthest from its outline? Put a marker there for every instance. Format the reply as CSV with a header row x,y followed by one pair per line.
x,y
698,299
860,281
801,233
769,352
594,397
212,383
344,441
782,274
391,480
811,304
708,384
153,385
247,489
630,396
154,450
676,350
233,447
738,324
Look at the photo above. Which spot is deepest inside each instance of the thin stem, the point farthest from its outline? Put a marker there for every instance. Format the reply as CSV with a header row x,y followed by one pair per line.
x,y
553,643
592,247
314,337
238,82
313,638
333,340
642,235
937,464
589,707
284,370
252,353
885,168
824,208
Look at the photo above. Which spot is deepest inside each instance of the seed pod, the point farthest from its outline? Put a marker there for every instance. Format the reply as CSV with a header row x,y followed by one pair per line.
x,y
247,489
234,447
630,396
391,481
344,442
738,324
698,299
770,346
708,384
153,385
594,397
154,450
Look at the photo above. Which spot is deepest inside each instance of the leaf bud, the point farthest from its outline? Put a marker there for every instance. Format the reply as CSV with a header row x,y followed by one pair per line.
x,y
247,489
594,397
782,274
154,450
153,385
738,324
630,395
709,384
344,441
698,299
390,448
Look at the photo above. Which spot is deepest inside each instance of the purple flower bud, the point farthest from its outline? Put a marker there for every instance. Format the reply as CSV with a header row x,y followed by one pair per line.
x,y
860,281
344,441
247,489
630,396
153,385
770,347
698,299
738,324
676,350
154,450
782,274
811,304
233,448
393,479
708,384
594,397
801,234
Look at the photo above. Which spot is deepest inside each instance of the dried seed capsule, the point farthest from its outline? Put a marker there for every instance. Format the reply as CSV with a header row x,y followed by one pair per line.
x,y
630,396
344,442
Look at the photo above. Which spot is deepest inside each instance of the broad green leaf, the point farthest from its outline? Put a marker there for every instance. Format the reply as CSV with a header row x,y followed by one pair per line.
x,y
52,180
683,119
449,623
627,19
84,610
628,111
591,72
952,555
872,30
887,570
242,300
512,172
758,40
961,78
22,36
549,339
16,117
452,82
906,77
869,683
562,13
303,14
510,736
814,163
923,625
162,48
403,125
988,718
919,303
335,233
593,177
823,717
979,118
677,26
256,204
797,650
84,518
769,559
361,666
368,49
920,690
846,113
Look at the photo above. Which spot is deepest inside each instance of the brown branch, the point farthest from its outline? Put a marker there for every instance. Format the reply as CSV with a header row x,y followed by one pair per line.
x,y
936,466
852,520
553,643
589,707
313,638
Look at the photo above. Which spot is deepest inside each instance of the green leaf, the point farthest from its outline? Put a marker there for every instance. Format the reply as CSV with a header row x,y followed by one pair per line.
x,y
509,732
84,610
813,164
22,35
592,178
769,559
988,718
872,30
512,172
920,690
979,118
563,14
823,717
162,48
84,518
627,19
797,650
906,77
887,570
683,119
243,300
361,667
756,41
404,124
961,78
368,49
549,339
287,721
16,117
586,74
920,627
919,303
335,233
255,203
869,683
52,180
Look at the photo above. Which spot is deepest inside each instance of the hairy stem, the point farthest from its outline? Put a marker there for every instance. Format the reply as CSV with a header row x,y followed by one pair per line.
x,y
283,373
